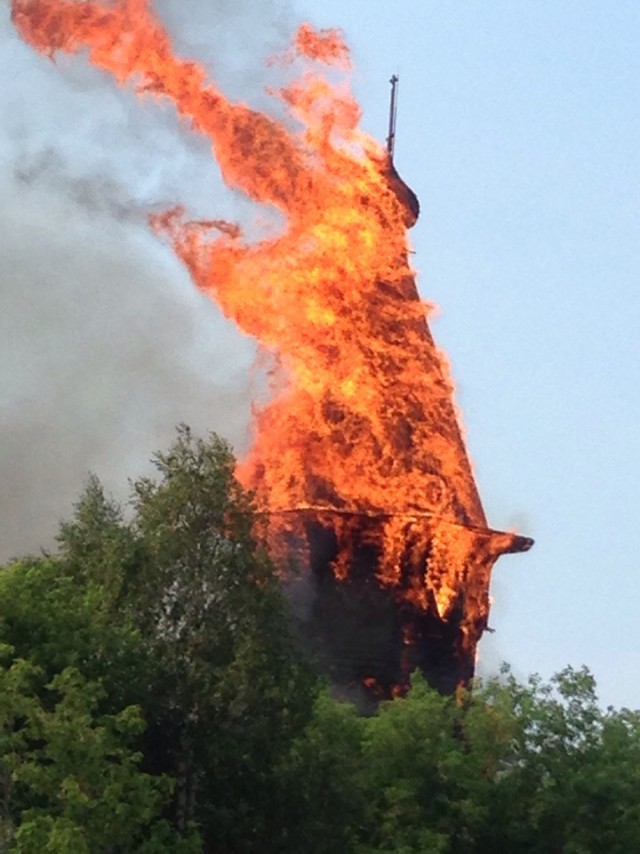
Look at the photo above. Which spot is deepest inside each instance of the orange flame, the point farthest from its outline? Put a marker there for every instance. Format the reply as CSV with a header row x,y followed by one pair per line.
x,y
364,427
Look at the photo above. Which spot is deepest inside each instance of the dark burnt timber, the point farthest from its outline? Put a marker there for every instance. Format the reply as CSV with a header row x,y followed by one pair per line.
x,y
365,636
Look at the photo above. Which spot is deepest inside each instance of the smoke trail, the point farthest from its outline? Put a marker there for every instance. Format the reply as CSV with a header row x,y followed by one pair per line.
x,y
104,343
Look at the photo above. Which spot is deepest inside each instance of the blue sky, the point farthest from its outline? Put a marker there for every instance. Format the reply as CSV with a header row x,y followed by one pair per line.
x,y
518,130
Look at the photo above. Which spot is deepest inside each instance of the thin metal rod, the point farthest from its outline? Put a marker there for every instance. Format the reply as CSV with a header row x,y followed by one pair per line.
x,y
393,113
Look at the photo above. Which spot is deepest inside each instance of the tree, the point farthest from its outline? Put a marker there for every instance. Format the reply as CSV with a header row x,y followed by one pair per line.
x,y
571,779
325,802
512,767
70,776
428,764
226,689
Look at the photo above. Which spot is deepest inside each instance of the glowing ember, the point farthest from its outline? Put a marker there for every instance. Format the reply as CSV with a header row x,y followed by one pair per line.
x,y
362,444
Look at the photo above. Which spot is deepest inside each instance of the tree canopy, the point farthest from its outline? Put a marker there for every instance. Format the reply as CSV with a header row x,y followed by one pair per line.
x,y
153,698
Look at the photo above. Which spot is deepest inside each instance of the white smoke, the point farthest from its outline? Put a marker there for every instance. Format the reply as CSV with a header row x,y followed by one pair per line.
x,y
104,344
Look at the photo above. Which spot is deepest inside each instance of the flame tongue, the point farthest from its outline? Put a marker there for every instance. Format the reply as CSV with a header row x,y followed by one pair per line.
x,y
365,421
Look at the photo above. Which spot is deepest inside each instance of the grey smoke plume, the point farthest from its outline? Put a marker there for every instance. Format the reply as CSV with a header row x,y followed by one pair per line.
x,y
104,343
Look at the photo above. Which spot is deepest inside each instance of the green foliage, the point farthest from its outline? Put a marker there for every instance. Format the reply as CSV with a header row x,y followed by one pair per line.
x,y
152,699
78,775
572,780
428,763
66,732
219,680
325,806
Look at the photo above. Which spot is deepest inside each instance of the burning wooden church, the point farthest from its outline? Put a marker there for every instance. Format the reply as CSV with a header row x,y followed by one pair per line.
x,y
358,460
